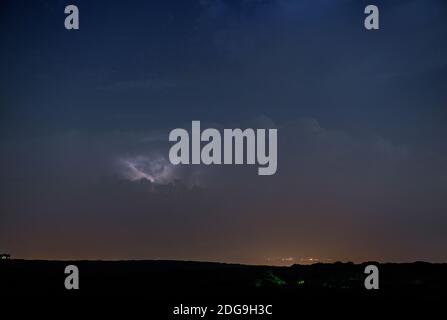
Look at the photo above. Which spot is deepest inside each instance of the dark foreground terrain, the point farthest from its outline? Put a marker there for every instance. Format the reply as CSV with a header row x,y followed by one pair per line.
x,y
162,285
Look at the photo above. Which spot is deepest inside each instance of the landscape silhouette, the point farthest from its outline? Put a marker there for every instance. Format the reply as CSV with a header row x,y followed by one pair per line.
x,y
204,280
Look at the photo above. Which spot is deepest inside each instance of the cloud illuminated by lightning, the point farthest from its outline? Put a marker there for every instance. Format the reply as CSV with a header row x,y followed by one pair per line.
x,y
156,169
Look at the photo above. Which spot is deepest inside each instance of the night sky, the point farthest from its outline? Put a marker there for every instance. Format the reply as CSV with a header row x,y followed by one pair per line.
x,y
361,116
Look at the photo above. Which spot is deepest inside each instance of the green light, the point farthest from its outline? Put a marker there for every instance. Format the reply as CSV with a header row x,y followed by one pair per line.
x,y
275,279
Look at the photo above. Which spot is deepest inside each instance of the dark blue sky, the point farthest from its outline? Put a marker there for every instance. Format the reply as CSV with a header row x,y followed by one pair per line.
x,y
362,166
